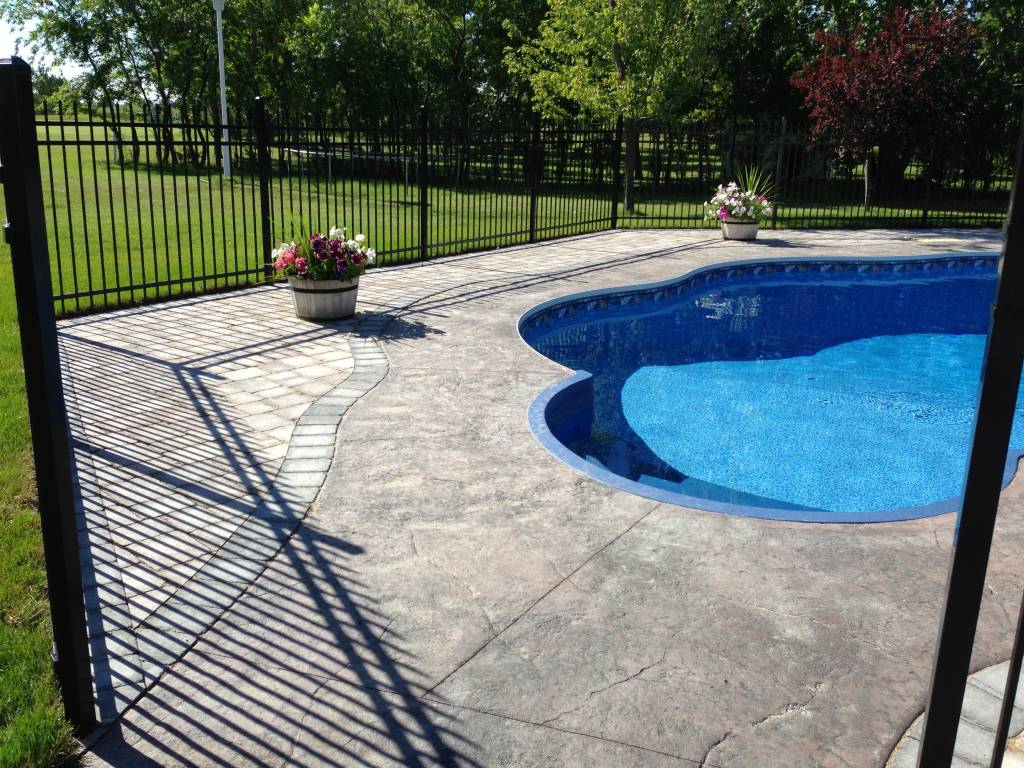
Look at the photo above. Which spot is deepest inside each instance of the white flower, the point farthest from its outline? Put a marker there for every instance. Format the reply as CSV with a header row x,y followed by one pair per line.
x,y
337,233
370,255
360,238
351,243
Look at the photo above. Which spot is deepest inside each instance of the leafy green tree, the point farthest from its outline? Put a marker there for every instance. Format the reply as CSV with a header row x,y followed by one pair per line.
x,y
759,46
46,85
1001,87
635,58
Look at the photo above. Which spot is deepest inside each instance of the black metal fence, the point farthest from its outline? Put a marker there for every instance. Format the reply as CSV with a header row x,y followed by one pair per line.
x,y
138,207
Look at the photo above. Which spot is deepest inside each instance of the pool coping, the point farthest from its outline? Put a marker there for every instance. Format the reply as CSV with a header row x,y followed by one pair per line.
x,y
537,413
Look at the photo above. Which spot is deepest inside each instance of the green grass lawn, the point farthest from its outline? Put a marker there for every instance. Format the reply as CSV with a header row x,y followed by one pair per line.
x,y
114,227
32,728
111,228
660,212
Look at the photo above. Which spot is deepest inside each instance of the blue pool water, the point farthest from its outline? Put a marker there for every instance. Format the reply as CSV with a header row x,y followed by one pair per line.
x,y
815,390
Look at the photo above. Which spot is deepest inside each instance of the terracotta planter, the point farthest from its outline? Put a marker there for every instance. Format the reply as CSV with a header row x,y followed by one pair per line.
x,y
324,299
738,230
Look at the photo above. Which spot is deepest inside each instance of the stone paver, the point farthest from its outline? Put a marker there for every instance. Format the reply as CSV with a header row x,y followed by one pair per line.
x,y
979,717
182,417
455,596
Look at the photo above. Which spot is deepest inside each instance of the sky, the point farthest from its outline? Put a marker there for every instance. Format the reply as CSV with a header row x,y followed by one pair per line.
x,y
8,36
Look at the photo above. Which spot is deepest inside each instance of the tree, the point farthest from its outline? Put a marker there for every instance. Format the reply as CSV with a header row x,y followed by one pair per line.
x,y
635,58
46,85
1001,89
893,91
764,43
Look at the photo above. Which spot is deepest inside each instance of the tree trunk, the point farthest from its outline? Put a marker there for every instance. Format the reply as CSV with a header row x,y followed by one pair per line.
x,y
136,147
869,178
632,158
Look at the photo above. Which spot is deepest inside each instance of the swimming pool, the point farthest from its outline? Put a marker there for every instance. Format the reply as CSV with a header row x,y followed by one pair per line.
x,y
822,390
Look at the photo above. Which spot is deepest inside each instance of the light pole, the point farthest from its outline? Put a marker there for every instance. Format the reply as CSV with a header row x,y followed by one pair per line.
x,y
218,8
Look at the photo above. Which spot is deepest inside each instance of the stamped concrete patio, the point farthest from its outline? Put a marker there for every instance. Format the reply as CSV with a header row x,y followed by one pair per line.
x,y
340,544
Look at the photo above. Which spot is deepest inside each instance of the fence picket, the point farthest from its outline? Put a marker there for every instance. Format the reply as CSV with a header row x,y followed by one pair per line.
x,y
418,193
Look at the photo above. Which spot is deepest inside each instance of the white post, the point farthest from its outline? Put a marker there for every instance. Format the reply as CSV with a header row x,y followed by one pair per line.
x,y
218,7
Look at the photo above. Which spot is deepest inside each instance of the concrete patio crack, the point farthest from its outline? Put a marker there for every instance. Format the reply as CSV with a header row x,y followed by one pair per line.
x,y
614,684
511,718
790,708
534,604
712,747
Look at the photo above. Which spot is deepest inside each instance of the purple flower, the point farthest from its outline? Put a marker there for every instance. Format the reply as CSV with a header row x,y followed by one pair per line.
x,y
723,212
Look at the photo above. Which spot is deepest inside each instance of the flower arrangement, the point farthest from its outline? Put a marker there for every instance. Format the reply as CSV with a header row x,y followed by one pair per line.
x,y
324,257
743,201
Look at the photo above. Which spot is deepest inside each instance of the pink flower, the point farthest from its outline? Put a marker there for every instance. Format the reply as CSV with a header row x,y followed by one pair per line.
x,y
288,258
723,212
280,264
301,266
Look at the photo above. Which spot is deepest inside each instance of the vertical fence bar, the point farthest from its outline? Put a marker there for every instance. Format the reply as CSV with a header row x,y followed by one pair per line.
x,y
1009,693
972,538
925,173
534,172
779,149
616,172
263,158
424,191
51,440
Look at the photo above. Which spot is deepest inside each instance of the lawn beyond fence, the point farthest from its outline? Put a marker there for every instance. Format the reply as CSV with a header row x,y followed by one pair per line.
x,y
138,209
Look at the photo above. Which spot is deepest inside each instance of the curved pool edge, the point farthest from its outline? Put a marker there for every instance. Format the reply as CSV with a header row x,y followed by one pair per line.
x,y
569,387
725,266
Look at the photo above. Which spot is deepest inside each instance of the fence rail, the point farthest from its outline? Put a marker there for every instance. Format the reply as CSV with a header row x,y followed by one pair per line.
x,y
138,209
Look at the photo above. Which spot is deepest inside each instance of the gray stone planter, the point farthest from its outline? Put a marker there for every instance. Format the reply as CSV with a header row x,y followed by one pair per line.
x,y
738,230
324,299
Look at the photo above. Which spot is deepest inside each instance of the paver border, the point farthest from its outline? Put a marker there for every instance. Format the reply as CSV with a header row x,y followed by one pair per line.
x,y
976,731
244,554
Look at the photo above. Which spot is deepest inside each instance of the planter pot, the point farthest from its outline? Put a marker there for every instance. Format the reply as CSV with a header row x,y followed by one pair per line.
x,y
324,299
738,230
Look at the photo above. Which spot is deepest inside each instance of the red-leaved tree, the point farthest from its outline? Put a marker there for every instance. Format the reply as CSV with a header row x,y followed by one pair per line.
x,y
894,92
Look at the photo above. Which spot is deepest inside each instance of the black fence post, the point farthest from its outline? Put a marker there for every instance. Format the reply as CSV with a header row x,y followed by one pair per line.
x,y
25,230
616,172
424,190
972,539
779,149
1009,694
534,171
263,158
928,185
